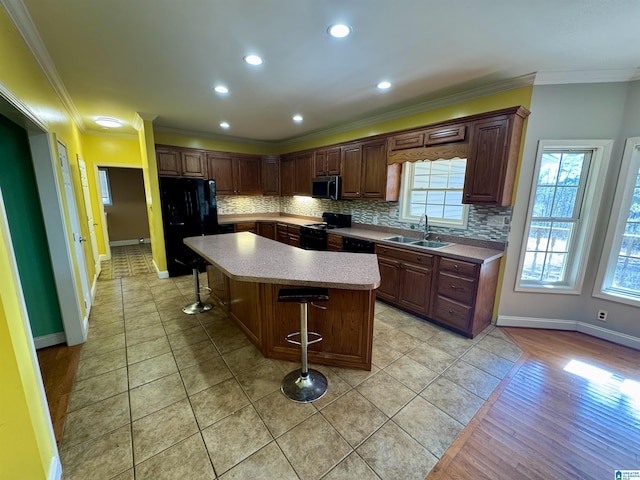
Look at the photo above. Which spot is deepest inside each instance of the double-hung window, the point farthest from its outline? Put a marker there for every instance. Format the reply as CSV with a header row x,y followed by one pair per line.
x,y
434,188
562,211
103,175
619,273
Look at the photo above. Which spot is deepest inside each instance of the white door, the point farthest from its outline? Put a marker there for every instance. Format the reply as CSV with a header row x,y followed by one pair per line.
x,y
78,239
87,205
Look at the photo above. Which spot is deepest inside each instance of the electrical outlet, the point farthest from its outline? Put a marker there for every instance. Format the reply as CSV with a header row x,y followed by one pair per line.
x,y
602,315
497,220
376,219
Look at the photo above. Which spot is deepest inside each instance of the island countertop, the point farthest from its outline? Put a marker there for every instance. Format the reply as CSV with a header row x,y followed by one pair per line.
x,y
248,257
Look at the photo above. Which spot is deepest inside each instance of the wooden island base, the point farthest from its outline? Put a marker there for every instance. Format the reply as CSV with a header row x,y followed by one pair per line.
x,y
346,325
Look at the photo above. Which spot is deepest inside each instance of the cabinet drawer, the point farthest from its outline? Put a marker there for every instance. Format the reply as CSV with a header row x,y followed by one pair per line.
x,y
246,227
450,134
452,313
408,140
406,255
457,288
334,242
459,268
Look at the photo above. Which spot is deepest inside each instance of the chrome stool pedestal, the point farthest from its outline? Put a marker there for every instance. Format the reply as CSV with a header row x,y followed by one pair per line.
x,y
304,385
198,306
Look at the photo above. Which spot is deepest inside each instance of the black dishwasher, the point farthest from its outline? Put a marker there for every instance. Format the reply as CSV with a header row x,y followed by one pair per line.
x,y
357,245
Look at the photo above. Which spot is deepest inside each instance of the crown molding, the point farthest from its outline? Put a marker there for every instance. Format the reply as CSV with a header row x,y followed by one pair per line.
x,y
431,104
214,136
587,76
19,14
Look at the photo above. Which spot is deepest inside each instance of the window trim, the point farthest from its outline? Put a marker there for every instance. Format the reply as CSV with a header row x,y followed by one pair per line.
x,y
405,190
590,205
616,224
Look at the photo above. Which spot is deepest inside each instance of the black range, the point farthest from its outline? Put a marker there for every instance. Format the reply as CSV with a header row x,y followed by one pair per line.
x,y
314,235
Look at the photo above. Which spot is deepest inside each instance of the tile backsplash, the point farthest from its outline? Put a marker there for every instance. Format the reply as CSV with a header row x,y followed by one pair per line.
x,y
371,212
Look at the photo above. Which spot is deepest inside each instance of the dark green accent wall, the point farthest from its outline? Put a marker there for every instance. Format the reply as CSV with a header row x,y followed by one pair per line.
x,y
26,223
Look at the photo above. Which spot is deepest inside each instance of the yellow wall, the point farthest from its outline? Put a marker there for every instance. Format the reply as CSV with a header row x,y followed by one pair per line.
x,y
26,442
107,151
163,138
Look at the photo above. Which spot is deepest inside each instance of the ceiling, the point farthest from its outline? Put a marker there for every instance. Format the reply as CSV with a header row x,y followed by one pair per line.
x,y
163,57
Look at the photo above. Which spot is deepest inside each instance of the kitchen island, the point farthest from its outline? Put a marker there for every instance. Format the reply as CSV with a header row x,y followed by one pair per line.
x,y
246,273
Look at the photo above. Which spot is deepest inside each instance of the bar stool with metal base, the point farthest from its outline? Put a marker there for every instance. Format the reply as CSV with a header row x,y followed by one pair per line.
x,y
304,385
198,306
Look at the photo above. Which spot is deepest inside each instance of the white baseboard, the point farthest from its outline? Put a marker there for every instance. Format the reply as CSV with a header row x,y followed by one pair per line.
x,y
104,256
161,274
122,243
49,340
55,469
571,326
94,287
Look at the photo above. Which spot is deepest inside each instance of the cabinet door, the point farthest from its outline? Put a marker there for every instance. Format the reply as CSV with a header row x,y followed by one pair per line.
x,y
319,163
415,288
351,170
270,175
246,227
486,164
282,233
221,170
389,279
334,242
406,140
374,169
193,164
303,172
247,175
450,134
169,163
333,161
287,176
267,230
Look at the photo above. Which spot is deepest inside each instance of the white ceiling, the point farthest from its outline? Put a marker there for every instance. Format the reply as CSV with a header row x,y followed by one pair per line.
x,y
164,57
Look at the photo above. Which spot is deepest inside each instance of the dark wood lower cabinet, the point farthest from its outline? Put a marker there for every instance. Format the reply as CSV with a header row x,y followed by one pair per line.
x,y
455,294
267,230
346,325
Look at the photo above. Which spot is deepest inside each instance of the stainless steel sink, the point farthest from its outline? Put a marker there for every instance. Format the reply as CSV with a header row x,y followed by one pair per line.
x,y
400,239
431,244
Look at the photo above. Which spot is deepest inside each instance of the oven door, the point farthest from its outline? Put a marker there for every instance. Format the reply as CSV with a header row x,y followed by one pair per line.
x,y
316,240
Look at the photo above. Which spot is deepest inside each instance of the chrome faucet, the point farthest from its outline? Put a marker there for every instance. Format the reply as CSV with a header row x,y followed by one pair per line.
x,y
424,223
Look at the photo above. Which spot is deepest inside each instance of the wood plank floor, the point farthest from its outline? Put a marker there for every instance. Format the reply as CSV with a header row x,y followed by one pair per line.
x,y
58,366
545,422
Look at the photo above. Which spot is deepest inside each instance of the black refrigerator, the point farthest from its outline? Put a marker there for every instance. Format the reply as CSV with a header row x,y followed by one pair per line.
x,y
189,209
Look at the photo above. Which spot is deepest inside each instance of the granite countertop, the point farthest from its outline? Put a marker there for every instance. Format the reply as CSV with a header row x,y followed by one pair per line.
x,y
459,251
248,257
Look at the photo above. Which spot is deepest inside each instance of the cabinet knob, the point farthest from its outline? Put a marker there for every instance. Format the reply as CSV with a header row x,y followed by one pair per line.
x,y
453,287
450,311
467,194
455,266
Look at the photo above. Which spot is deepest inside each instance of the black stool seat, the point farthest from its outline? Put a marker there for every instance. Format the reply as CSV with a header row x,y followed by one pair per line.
x,y
303,295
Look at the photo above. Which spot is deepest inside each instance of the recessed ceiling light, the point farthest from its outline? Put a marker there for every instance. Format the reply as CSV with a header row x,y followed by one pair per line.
x,y
108,122
339,30
384,85
224,124
253,60
221,89
297,118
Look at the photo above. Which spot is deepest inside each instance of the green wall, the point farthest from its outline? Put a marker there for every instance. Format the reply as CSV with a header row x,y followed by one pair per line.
x,y
26,224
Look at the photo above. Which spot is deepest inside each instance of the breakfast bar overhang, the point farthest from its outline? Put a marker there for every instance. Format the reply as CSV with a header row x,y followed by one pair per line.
x,y
247,271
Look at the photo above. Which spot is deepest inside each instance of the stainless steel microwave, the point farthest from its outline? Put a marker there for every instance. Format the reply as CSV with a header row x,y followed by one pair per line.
x,y
326,187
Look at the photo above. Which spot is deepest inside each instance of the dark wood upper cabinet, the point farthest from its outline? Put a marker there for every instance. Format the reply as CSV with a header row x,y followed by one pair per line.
x,y
494,147
364,170
303,174
271,175
221,170
193,164
326,162
287,175
169,162
235,175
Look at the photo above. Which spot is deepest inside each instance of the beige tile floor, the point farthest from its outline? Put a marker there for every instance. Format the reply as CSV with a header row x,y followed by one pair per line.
x,y
128,261
163,395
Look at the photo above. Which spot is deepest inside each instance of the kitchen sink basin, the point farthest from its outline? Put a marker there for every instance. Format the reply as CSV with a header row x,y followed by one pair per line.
x,y
400,239
431,244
